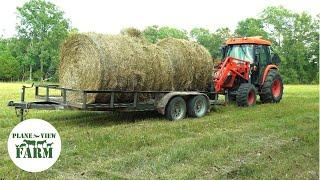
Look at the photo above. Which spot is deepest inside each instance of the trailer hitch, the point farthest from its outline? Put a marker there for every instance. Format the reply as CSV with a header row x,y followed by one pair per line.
x,y
11,103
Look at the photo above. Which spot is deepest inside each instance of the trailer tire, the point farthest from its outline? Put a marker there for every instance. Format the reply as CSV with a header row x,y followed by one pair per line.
x,y
197,106
246,95
176,109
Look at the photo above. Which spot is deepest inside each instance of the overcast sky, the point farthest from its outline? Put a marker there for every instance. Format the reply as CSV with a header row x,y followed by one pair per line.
x,y
107,16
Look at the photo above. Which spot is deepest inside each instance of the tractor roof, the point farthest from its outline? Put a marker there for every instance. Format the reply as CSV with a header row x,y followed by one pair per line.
x,y
248,40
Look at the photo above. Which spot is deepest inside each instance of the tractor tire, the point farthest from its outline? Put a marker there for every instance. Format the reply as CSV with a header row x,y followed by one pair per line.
x,y
272,89
176,109
246,95
197,106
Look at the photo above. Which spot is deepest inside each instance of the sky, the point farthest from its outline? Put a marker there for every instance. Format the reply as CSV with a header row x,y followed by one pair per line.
x,y
110,16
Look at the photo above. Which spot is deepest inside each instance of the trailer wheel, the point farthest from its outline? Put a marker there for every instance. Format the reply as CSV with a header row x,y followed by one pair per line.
x,y
197,106
176,109
246,95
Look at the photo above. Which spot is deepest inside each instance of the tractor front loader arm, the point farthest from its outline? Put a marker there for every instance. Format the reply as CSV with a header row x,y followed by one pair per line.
x,y
232,68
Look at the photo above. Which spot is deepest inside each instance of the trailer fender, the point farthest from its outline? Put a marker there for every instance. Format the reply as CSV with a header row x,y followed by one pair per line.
x,y
162,102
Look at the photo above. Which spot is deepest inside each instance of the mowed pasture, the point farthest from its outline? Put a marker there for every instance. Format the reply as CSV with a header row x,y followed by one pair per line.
x,y
269,141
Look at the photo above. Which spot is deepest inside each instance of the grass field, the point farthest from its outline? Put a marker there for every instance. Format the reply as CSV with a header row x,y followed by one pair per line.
x,y
269,141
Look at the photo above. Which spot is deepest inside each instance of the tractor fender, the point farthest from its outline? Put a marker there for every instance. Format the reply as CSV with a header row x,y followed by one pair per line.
x,y
162,102
266,71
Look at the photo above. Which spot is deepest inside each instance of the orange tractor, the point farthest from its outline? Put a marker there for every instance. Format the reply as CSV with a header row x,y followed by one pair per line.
x,y
249,68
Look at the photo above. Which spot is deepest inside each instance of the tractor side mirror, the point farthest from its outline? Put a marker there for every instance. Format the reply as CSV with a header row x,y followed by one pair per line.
x,y
275,59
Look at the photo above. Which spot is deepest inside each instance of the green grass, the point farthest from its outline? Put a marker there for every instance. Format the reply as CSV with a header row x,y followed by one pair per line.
x,y
265,141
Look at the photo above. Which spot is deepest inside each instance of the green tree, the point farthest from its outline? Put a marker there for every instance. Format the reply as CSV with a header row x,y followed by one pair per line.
x,y
9,69
211,41
165,32
223,33
205,38
151,33
154,33
276,21
251,27
43,27
18,49
220,36
295,37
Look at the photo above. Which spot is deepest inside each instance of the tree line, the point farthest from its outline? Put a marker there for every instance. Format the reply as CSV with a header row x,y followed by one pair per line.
x,y
33,54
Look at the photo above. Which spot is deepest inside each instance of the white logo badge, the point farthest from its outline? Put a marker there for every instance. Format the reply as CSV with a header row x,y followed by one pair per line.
x,y
34,145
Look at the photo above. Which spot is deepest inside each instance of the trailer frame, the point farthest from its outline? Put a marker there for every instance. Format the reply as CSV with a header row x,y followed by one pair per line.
x,y
157,102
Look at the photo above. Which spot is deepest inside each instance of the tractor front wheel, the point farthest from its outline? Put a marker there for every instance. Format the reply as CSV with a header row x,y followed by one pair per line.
x,y
272,89
246,95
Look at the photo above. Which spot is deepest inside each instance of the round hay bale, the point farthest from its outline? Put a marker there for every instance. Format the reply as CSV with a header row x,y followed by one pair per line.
x,y
192,63
97,62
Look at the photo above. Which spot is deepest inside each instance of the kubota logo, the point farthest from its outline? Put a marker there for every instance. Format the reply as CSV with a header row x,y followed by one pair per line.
x,y
34,145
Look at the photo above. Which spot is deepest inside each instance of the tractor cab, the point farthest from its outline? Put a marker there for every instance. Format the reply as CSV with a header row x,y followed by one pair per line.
x,y
253,49
248,63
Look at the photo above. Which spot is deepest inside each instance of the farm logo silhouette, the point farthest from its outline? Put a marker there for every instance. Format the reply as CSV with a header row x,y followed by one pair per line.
x,y
34,149
34,145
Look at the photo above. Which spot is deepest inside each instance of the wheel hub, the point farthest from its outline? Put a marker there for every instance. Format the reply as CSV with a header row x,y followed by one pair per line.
x,y
251,98
199,106
276,88
177,112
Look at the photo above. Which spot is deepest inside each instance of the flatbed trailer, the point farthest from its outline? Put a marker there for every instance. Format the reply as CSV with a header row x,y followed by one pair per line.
x,y
158,101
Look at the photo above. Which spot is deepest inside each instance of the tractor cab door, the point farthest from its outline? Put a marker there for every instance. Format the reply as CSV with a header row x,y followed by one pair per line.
x,y
261,60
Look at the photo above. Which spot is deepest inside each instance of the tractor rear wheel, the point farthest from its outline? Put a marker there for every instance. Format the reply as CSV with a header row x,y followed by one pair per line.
x,y
197,106
176,109
272,89
246,95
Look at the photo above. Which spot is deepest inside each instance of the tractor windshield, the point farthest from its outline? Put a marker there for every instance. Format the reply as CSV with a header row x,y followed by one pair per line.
x,y
241,51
